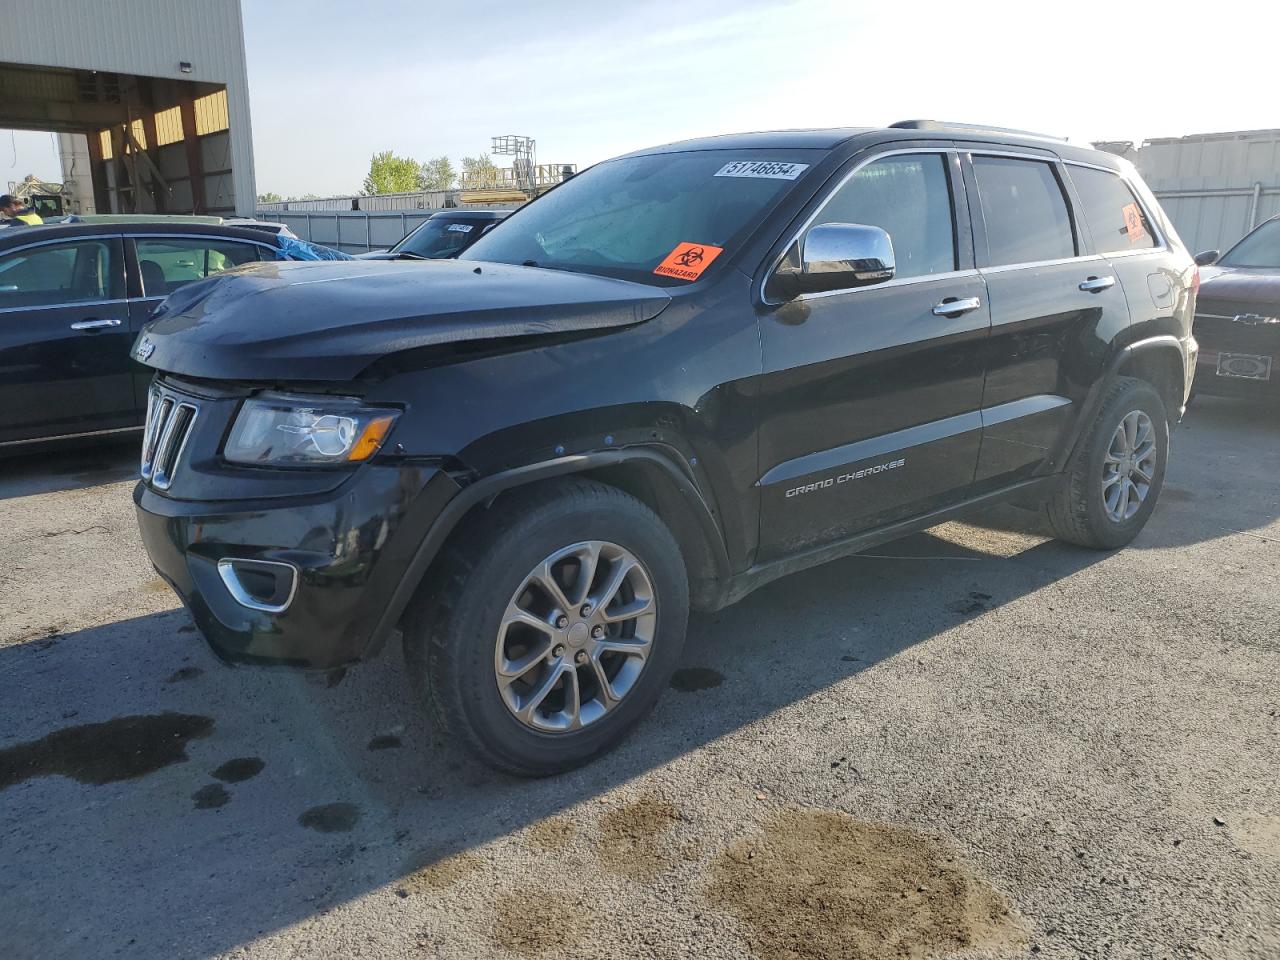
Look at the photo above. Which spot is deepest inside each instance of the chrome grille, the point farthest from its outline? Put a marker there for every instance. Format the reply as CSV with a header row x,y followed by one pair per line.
x,y
169,422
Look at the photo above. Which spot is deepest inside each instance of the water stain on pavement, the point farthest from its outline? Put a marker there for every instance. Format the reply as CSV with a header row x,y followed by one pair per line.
x,y
551,834
1256,833
184,673
631,841
974,603
331,817
691,679
442,873
528,922
239,769
98,753
155,585
384,741
820,884
211,796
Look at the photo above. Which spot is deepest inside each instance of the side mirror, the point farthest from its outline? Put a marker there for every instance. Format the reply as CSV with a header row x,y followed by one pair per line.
x,y
839,256
1207,258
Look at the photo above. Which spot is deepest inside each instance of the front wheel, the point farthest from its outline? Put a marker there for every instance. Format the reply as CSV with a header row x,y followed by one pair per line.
x,y
1113,482
550,626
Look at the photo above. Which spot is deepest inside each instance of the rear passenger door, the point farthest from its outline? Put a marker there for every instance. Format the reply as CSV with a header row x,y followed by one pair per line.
x,y
1123,232
1054,305
64,340
869,399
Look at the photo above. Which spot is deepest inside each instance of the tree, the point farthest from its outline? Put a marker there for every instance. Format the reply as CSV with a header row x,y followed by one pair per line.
x,y
391,174
479,171
437,174
269,197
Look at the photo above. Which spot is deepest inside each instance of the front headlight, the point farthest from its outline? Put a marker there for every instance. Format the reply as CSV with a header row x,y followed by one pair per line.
x,y
292,430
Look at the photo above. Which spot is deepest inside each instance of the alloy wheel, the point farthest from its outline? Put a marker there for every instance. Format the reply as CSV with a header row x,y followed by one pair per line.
x,y
575,637
1129,466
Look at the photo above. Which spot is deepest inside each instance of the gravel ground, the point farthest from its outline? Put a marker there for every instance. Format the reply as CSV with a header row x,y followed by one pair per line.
x,y
974,741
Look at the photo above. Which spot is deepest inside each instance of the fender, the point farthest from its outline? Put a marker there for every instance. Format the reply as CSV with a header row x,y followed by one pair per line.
x,y
491,486
1093,402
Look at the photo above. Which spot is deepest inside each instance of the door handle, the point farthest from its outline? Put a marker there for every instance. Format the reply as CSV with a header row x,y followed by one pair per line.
x,y
95,324
954,307
1098,284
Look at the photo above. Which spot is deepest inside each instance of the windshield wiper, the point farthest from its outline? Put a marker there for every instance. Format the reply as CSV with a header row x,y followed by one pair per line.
x,y
408,255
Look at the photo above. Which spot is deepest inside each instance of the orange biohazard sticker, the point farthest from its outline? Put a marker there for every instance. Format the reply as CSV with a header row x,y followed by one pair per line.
x,y
688,260
1133,224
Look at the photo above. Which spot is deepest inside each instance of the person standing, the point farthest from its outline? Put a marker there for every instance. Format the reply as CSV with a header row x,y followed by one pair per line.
x,y
11,209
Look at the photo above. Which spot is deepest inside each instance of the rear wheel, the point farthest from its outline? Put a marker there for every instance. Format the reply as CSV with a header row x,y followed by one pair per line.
x,y
1112,484
550,626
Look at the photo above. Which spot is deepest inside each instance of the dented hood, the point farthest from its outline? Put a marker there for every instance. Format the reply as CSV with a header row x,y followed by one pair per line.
x,y
330,320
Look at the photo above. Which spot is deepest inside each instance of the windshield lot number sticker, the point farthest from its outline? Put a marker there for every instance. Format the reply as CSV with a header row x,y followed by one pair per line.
x,y
459,228
762,169
688,260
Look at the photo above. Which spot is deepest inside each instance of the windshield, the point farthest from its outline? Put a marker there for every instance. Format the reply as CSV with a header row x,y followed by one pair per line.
x,y
660,219
1259,249
439,237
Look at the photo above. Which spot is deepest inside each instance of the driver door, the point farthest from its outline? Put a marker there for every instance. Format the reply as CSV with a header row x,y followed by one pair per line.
x,y
870,397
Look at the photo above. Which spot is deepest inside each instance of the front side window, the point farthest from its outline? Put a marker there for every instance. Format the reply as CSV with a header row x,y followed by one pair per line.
x,y
661,219
1116,219
169,263
1259,249
1024,210
81,271
909,197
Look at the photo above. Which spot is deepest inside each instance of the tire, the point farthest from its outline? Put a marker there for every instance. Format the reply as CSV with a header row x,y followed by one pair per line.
x,y
464,624
1080,512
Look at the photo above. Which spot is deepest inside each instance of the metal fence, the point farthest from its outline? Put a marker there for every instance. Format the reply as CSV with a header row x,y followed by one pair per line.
x,y
1214,219
351,231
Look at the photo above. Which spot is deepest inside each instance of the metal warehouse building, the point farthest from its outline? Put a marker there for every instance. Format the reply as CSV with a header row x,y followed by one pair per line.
x,y
149,100
1216,187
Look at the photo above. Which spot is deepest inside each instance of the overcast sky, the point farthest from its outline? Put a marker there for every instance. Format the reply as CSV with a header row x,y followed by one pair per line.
x,y
590,79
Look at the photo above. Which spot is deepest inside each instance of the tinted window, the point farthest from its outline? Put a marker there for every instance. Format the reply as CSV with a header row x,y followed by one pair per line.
x,y
74,272
1259,249
167,264
1024,209
910,199
1113,213
660,218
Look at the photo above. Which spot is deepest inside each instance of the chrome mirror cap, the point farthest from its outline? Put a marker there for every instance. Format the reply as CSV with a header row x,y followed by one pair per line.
x,y
861,253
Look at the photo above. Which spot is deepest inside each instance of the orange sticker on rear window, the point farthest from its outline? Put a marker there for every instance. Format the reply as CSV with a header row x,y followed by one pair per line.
x,y
1133,225
688,260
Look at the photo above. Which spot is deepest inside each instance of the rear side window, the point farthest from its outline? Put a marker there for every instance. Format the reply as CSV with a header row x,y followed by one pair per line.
x,y
1116,219
83,271
908,197
1024,210
166,264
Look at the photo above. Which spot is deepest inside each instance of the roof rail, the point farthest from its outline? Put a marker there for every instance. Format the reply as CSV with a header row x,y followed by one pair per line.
x,y
970,128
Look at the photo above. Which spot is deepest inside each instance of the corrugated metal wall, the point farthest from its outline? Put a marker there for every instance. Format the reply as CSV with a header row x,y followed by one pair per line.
x,y
1215,187
149,38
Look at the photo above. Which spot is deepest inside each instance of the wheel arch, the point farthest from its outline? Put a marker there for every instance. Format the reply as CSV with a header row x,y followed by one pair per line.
x,y
1158,361
651,475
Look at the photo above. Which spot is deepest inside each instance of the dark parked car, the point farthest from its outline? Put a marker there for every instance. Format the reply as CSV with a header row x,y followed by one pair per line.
x,y
73,297
442,235
1238,318
678,376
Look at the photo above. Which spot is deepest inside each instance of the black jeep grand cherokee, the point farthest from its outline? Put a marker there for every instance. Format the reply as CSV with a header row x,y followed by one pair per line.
x,y
676,377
